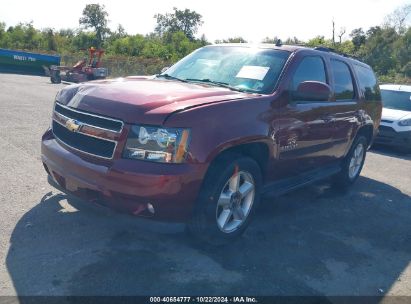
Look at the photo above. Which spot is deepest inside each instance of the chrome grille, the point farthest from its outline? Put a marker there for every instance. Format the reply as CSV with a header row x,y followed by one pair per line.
x,y
90,119
85,132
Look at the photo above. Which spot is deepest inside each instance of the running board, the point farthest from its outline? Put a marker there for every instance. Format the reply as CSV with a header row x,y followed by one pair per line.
x,y
283,186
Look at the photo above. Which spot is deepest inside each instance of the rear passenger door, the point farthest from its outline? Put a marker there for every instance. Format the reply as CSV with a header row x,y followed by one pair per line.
x,y
345,107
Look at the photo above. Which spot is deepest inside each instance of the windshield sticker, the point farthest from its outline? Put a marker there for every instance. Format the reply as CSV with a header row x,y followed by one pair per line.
x,y
253,72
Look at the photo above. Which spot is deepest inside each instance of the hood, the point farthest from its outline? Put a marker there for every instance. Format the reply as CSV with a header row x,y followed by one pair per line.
x,y
142,100
394,115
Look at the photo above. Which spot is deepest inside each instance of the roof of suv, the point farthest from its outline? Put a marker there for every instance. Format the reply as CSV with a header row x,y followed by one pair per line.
x,y
292,48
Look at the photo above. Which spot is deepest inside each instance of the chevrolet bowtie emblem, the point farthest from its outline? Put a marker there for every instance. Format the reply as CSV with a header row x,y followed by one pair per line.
x,y
73,125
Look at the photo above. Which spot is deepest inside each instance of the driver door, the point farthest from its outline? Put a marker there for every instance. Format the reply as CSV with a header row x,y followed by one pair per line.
x,y
305,126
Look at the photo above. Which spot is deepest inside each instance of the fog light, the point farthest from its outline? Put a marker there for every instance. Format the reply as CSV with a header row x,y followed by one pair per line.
x,y
150,208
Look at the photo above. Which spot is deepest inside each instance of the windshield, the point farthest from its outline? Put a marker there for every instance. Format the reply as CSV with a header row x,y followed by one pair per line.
x,y
398,100
239,68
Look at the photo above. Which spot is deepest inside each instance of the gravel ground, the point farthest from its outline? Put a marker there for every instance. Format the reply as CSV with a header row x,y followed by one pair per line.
x,y
314,241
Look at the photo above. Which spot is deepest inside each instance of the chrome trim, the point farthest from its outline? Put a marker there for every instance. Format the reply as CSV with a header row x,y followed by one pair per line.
x,y
85,124
85,134
88,153
89,114
110,131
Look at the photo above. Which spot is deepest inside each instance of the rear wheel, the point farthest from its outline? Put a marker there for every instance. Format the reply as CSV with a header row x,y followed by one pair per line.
x,y
55,78
353,163
227,200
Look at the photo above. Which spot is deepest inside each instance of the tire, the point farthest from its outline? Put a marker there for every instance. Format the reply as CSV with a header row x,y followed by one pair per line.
x,y
221,215
55,79
352,164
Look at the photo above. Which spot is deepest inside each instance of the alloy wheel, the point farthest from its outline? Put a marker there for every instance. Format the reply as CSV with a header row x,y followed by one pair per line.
x,y
356,161
235,201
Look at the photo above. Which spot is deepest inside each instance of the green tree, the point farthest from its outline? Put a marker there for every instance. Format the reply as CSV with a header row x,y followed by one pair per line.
x,y
232,40
346,47
120,32
64,39
128,45
358,38
2,29
379,48
23,36
82,40
402,52
69,33
95,16
293,41
319,41
185,21
398,18
270,40
49,38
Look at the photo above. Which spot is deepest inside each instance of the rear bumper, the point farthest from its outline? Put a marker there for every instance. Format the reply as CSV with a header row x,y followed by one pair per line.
x,y
125,185
388,136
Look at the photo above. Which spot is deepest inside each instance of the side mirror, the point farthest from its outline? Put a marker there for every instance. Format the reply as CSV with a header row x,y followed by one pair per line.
x,y
164,69
312,91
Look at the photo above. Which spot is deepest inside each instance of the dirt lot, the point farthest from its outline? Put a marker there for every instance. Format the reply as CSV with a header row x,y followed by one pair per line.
x,y
311,242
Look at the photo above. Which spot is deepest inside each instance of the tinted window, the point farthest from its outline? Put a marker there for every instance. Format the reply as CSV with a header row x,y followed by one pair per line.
x,y
398,100
311,68
343,86
368,83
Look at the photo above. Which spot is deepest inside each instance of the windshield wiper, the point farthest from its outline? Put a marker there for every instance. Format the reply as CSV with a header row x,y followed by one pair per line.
x,y
166,76
217,83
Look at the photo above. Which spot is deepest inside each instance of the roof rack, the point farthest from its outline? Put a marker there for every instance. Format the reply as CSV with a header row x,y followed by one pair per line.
x,y
331,50
324,49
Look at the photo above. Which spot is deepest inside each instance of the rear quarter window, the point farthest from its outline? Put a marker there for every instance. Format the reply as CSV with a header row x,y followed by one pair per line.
x,y
368,83
343,84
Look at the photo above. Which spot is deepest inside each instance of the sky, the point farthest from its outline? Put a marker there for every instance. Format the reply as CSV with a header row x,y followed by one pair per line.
x,y
252,19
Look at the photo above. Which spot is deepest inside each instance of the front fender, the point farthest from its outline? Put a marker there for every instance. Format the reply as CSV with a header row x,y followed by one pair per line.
x,y
218,127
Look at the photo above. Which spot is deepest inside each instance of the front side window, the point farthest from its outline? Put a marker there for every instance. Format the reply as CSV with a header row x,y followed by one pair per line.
x,y
368,83
343,85
311,68
239,68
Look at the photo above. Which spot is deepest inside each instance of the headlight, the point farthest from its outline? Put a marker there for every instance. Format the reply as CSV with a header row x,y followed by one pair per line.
x,y
405,122
166,145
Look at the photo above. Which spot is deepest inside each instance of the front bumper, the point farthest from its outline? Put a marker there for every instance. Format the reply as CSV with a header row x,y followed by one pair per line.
x,y
125,185
388,136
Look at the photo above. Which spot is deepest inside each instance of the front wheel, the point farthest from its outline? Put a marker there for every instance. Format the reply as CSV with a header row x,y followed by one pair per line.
x,y
227,200
352,164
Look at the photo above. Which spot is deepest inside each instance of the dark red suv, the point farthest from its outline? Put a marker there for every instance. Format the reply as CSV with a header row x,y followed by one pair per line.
x,y
203,141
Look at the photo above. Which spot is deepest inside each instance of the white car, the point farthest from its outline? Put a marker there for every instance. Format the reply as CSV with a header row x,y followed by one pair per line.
x,y
395,127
